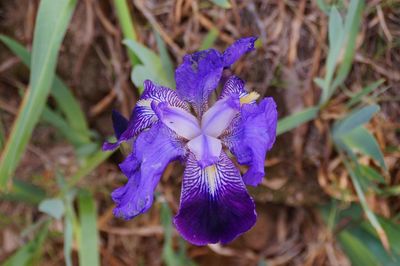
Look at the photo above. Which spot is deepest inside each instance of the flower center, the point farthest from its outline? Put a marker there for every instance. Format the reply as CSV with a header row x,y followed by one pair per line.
x,y
202,137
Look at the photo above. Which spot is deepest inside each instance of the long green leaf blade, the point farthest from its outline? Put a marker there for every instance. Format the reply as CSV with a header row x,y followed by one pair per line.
x,y
30,253
292,121
89,243
362,141
62,95
51,24
354,119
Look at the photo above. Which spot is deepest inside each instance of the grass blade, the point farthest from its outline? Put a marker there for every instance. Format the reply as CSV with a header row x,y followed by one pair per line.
x,y
351,28
165,59
62,95
89,243
25,192
222,3
51,24
30,253
128,30
354,119
362,141
292,121
358,96
355,178
152,67
210,39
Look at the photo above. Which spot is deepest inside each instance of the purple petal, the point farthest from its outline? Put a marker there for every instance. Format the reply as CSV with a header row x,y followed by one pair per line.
x,y
206,149
219,117
154,150
143,115
198,76
237,49
251,136
233,86
215,205
120,123
177,119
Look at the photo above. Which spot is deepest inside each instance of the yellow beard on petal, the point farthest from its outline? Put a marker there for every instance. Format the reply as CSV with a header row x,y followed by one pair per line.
x,y
252,96
211,173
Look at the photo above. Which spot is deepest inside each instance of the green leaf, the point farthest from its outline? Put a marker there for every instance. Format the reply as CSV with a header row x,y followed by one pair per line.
x,y
64,128
24,191
357,252
371,174
170,257
320,82
359,139
336,36
342,41
222,3
51,24
210,39
60,92
323,6
152,67
88,166
358,96
68,238
89,239
166,61
127,26
53,207
292,121
355,178
354,119
335,28
29,254
351,28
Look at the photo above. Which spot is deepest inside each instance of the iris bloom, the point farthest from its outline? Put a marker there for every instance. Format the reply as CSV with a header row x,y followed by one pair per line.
x,y
169,125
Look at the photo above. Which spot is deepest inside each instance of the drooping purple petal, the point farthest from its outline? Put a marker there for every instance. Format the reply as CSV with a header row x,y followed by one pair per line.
x,y
220,115
251,136
215,206
154,150
206,149
198,76
143,115
177,119
237,49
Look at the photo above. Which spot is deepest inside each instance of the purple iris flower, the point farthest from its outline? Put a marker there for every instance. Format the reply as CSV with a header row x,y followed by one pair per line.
x,y
169,125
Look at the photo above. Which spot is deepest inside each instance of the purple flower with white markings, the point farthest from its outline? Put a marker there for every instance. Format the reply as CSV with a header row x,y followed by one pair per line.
x,y
169,125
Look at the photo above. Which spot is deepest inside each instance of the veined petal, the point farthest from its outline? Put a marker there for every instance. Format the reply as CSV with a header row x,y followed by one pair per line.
x,y
215,206
198,76
153,151
180,121
206,149
143,115
237,49
233,86
251,136
219,117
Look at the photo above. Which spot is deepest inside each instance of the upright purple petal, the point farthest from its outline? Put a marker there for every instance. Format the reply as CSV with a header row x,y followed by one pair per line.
x,y
233,86
251,136
143,115
215,206
237,49
198,76
220,115
180,121
154,150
